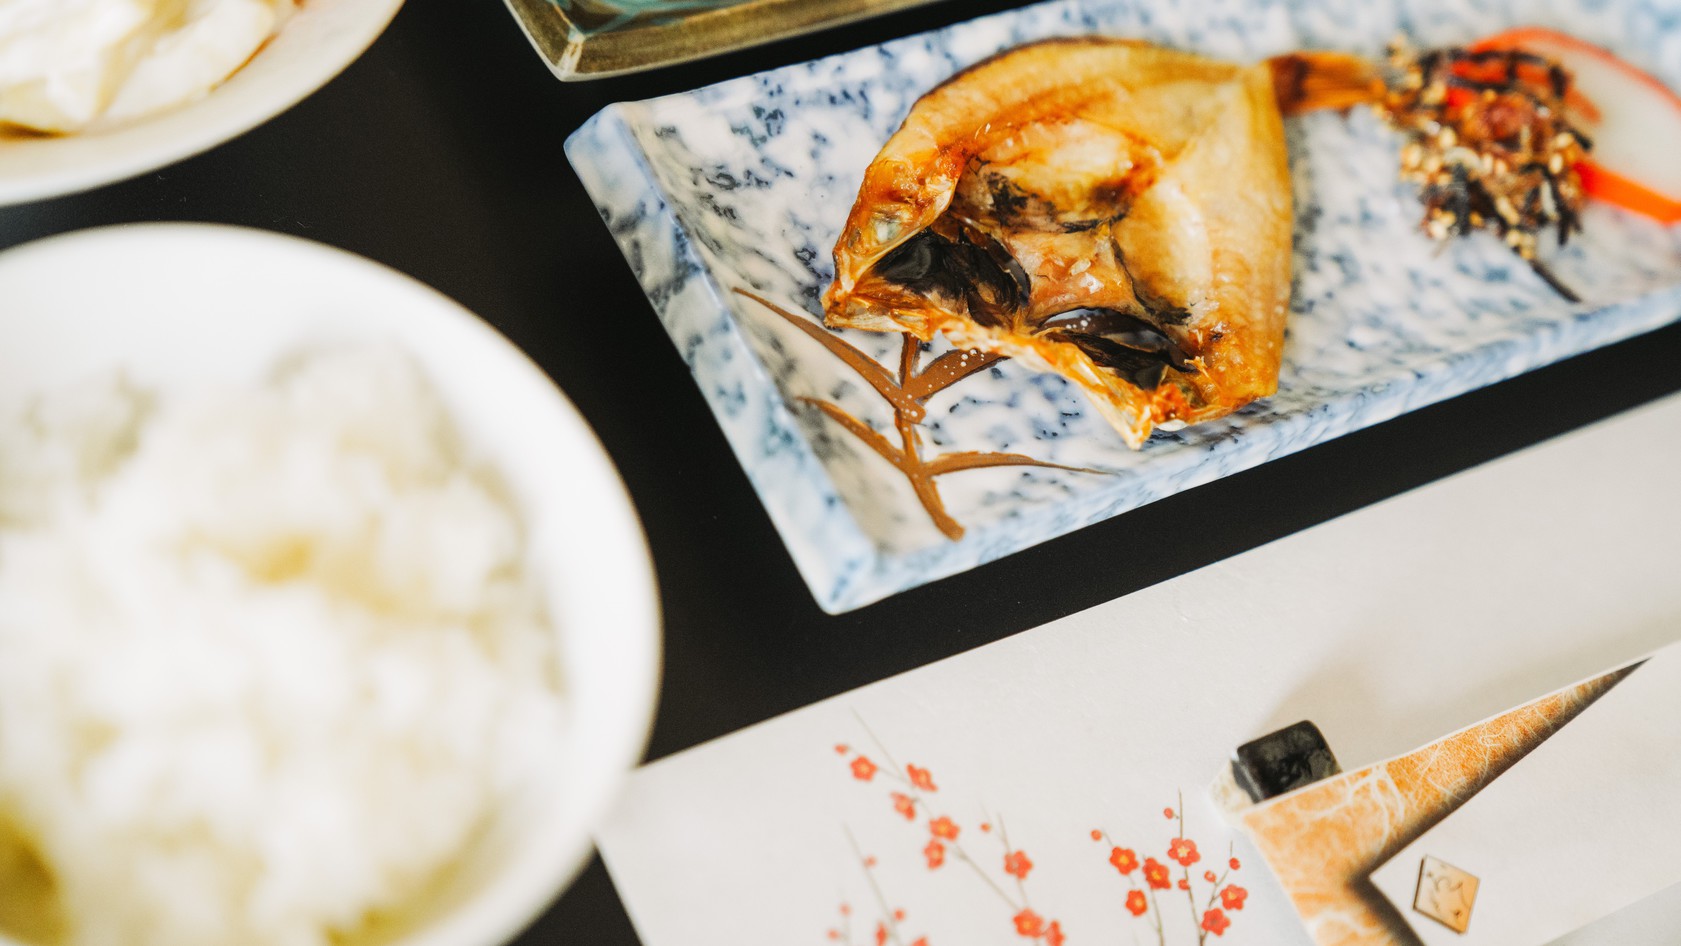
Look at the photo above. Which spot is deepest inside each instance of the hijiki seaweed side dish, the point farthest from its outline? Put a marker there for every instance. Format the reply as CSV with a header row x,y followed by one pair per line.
x,y
1490,144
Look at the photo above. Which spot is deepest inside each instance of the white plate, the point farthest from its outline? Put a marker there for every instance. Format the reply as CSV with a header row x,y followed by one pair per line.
x,y
178,304
314,45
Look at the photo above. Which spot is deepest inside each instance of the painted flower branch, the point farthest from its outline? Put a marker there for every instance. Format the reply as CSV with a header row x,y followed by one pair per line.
x,y
911,800
1141,900
908,392
912,793
888,925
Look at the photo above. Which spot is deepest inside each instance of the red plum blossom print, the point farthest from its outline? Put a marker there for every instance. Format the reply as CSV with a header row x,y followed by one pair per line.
x,y
920,778
1155,873
1124,859
1017,865
1004,877
1215,921
1142,900
943,827
1030,924
1154,878
889,924
904,805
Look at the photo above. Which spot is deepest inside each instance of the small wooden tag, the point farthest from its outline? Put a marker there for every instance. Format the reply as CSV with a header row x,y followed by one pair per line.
x,y
1445,894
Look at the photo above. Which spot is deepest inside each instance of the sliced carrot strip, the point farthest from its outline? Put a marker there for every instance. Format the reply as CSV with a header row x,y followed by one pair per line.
x,y
1613,188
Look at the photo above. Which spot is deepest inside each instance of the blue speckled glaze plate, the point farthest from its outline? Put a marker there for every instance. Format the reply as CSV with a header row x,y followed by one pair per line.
x,y
744,186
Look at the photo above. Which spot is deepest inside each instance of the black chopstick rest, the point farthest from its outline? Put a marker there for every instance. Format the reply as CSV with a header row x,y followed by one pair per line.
x,y
1283,761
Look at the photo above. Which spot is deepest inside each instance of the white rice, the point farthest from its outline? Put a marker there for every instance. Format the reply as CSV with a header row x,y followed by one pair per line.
x,y
269,657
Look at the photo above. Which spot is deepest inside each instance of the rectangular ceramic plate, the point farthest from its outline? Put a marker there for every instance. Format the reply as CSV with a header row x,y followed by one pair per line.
x,y
744,185
589,39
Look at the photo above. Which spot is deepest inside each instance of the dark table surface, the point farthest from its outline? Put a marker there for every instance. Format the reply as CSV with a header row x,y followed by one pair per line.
x,y
439,153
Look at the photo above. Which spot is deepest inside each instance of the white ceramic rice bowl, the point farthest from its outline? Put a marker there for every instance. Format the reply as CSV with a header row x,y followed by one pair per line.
x,y
182,303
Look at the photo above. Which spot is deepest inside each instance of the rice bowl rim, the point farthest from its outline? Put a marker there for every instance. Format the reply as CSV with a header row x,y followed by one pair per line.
x,y
595,565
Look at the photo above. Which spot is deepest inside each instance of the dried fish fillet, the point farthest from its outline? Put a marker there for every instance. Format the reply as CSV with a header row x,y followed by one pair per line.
x,y
1112,211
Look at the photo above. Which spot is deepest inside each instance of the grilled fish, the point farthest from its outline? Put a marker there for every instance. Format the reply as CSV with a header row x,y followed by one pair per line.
x,y
1113,211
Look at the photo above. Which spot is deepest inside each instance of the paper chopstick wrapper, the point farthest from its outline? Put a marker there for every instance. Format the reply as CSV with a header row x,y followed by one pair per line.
x,y
1582,827
1323,841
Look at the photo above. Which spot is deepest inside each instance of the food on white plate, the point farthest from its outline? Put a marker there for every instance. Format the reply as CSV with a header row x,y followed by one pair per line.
x,y
270,656
70,65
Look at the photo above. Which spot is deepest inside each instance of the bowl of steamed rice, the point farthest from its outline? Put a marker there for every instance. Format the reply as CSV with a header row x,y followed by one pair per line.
x,y
323,616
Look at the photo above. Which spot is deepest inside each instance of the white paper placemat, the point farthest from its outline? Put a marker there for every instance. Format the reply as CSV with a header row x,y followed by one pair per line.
x,y
1388,627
